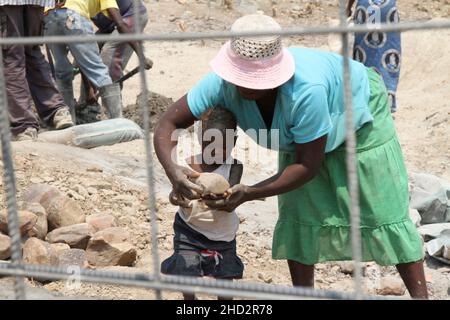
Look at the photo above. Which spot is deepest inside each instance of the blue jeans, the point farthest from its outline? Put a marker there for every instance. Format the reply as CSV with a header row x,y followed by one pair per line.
x,y
66,22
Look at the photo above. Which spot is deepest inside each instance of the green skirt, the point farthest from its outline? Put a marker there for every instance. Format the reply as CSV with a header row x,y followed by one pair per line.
x,y
314,220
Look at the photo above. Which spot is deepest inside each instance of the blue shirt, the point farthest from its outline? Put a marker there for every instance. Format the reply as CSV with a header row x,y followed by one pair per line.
x,y
308,106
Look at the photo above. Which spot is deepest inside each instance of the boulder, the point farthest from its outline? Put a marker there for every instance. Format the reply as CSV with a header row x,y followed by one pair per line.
x,y
40,229
76,236
36,192
101,221
58,247
391,286
110,247
27,221
36,251
5,247
63,211
73,257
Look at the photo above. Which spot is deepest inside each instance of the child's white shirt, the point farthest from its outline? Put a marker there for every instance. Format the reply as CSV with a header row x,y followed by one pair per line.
x,y
214,224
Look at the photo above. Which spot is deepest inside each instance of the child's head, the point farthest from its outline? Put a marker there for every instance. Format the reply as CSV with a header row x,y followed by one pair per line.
x,y
218,134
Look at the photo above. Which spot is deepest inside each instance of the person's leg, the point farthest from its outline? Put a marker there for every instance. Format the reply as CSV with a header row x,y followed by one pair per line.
x,y
116,55
302,275
221,298
413,276
47,98
18,95
55,26
88,58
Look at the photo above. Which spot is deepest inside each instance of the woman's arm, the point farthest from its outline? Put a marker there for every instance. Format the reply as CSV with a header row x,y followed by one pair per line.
x,y
122,27
309,158
178,116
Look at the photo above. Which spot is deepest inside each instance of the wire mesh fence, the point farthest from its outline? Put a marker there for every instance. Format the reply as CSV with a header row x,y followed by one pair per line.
x,y
154,280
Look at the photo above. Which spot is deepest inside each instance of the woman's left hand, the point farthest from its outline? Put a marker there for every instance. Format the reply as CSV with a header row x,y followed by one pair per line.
x,y
233,198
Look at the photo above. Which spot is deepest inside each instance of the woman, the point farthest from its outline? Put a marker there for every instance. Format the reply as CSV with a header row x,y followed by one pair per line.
x,y
379,50
299,92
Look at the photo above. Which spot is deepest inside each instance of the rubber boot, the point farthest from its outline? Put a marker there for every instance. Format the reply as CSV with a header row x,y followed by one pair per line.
x,y
66,89
112,100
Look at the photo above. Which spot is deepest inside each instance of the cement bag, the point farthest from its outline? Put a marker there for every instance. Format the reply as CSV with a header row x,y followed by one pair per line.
x,y
91,135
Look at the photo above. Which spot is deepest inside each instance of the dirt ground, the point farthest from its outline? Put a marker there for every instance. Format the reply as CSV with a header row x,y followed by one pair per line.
x,y
422,121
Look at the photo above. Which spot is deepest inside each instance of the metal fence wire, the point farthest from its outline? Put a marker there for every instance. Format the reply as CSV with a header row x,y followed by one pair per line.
x,y
155,280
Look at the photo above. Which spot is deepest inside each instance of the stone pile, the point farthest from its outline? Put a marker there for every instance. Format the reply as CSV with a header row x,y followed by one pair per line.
x,y
55,231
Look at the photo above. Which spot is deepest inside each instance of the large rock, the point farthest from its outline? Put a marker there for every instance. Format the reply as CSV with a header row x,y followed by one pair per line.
x,y
62,211
36,251
5,247
73,257
59,247
40,229
110,247
101,221
27,220
36,192
76,236
391,286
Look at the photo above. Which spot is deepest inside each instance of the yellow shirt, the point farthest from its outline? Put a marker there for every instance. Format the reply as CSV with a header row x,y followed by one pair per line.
x,y
90,8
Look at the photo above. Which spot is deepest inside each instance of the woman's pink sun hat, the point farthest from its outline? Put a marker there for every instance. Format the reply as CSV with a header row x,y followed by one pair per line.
x,y
254,63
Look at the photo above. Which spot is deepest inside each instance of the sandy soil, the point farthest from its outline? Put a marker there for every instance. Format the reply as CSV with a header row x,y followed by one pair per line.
x,y
422,122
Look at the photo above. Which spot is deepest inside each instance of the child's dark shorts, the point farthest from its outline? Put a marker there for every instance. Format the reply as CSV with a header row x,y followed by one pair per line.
x,y
196,255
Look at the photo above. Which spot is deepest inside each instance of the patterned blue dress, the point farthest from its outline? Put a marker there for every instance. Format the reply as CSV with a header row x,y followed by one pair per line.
x,y
379,50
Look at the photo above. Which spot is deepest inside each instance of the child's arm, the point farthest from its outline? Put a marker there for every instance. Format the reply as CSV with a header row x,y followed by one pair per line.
x,y
178,200
236,173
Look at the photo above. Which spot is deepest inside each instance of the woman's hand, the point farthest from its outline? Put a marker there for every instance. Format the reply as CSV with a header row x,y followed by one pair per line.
x,y
182,185
233,198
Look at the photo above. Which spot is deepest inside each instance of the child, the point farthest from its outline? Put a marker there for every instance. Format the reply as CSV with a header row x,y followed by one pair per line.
x,y
205,239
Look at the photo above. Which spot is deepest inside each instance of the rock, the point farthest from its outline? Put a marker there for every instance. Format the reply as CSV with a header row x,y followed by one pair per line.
x,y
73,257
27,220
101,221
125,199
76,236
348,267
94,168
36,251
81,191
391,286
212,183
36,192
415,217
431,231
5,247
91,190
58,247
62,211
40,229
109,247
